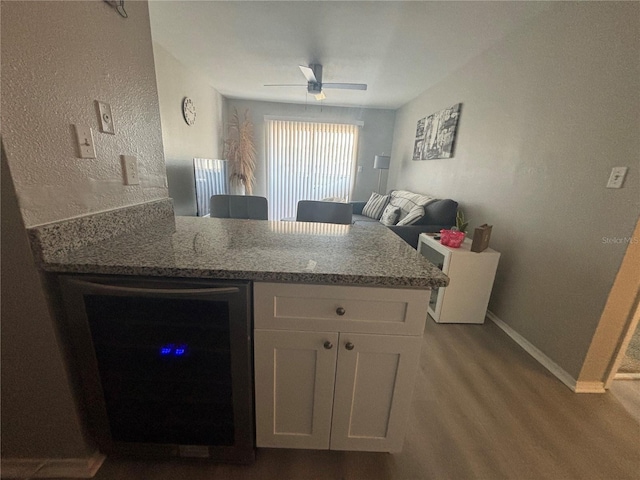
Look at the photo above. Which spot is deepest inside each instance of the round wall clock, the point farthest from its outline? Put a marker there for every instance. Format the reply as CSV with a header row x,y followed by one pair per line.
x,y
188,111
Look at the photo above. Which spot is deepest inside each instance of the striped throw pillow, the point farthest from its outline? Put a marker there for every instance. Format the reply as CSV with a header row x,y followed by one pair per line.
x,y
415,214
375,206
407,200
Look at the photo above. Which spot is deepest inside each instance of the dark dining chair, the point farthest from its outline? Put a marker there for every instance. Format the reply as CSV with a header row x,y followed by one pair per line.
x,y
239,206
325,212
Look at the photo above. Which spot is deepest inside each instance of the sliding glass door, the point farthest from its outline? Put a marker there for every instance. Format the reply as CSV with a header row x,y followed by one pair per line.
x,y
308,161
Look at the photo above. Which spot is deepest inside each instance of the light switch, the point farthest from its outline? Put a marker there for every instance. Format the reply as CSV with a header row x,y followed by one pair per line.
x,y
616,179
130,170
84,137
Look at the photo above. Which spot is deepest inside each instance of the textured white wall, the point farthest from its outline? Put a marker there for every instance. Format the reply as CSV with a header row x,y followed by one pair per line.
x,y
183,142
546,114
57,58
376,136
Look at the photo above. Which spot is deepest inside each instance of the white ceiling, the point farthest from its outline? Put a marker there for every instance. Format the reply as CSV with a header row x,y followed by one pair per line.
x,y
398,48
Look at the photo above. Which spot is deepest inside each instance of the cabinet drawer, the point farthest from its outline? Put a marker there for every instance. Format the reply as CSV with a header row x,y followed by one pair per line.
x,y
337,308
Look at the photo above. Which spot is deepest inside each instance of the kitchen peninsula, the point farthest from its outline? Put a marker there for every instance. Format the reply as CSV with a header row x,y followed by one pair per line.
x,y
195,247
336,314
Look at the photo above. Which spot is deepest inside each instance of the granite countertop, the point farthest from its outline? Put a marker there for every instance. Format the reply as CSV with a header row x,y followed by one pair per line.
x,y
260,250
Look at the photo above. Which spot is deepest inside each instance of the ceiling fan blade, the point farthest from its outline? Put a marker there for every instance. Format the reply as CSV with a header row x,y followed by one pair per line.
x,y
284,85
346,86
308,74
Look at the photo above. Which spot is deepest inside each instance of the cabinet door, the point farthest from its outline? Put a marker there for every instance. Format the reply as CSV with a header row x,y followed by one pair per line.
x,y
374,386
294,378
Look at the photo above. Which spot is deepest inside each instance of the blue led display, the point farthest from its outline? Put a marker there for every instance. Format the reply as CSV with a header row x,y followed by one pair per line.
x,y
173,350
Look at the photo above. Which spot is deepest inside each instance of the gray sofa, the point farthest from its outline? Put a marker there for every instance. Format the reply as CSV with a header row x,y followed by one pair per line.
x,y
439,214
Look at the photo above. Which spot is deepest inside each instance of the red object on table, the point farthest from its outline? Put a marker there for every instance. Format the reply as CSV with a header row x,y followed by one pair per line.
x,y
451,238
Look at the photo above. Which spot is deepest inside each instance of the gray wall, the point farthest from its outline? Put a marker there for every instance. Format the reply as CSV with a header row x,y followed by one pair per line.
x,y
546,114
376,135
183,142
39,417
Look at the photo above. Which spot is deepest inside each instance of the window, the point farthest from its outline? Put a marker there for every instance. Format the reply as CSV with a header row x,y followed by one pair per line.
x,y
308,161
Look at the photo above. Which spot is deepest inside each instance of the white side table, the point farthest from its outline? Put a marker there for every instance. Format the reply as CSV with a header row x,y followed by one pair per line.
x,y
471,276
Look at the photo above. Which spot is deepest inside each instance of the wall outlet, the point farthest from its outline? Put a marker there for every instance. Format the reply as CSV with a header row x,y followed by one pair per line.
x,y
84,138
105,118
130,170
616,179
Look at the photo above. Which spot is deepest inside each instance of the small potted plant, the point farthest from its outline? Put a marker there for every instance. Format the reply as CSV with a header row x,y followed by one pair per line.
x,y
461,224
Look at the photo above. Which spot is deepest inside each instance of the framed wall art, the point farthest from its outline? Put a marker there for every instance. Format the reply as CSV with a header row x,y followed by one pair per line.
x,y
436,134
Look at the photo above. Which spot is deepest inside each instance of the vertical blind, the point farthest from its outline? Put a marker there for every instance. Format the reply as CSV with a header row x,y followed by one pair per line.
x,y
308,161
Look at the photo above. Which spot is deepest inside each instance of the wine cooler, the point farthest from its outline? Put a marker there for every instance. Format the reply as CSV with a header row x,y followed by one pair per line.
x,y
164,364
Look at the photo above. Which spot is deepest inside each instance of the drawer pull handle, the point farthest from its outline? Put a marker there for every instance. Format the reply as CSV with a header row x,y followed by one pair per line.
x,y
349,346
340,311
328,345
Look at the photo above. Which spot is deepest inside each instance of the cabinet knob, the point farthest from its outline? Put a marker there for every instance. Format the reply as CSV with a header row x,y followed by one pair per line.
x,y
328,345
349,346
340,311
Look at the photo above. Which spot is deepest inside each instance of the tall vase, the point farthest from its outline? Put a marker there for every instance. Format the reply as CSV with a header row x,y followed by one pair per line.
x,y
236,188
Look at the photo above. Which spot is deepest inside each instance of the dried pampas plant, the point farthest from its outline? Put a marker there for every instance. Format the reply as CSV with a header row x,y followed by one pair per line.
x,y
240,151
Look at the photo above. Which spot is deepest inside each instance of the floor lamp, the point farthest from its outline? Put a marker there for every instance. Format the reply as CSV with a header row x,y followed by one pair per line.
x,y
381,162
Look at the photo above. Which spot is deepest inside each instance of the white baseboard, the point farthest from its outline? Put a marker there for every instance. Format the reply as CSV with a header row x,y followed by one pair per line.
x,y
546,362
52,467
627,376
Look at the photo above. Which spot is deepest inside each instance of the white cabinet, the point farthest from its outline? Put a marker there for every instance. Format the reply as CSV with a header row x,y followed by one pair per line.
x,y
373,390
294,381
282,306
337,388
471,277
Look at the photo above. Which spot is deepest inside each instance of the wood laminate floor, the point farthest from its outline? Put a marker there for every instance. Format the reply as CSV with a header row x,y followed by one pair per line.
x,y
482,409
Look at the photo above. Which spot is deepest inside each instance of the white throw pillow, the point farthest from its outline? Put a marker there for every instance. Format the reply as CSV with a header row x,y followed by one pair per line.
x,y
390,215
375,206
415,214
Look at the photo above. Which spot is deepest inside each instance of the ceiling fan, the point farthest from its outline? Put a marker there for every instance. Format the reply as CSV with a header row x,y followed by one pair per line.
x,y
313,74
